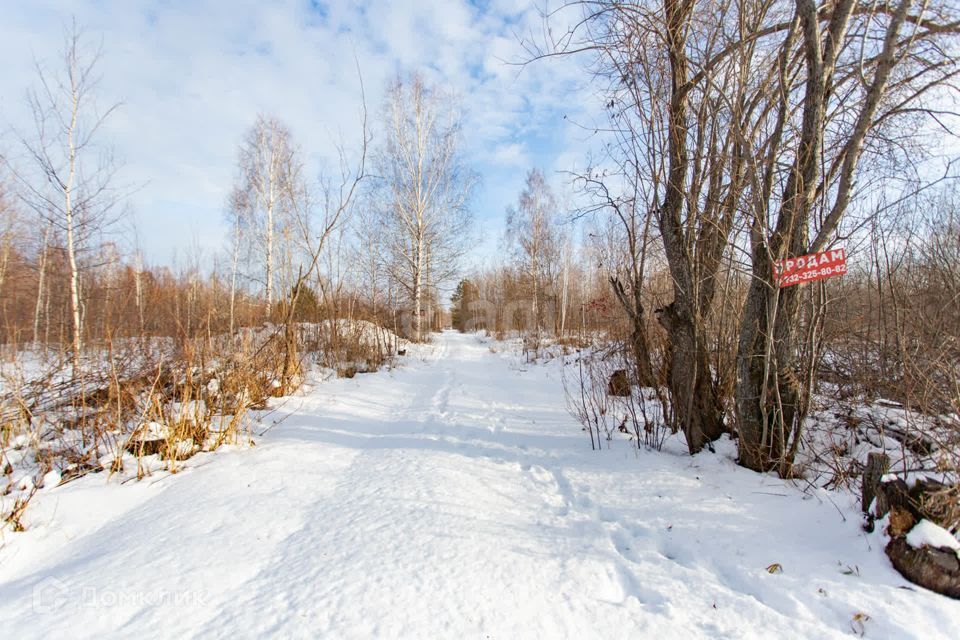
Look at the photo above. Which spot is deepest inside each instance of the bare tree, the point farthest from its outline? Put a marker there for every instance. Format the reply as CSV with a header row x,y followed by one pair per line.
x,y
765,109
533,228
270,176
369,243
852,73
426,187
238,216
632,234
42,260
338,199
71,189
674,90
9,232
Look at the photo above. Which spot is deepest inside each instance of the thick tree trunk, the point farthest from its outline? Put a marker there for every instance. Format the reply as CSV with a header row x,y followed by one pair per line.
x,y
291,363
770,401
693,395
640,346
639,341
697,409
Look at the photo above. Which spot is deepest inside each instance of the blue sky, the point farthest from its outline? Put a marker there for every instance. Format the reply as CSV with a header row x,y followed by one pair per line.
x,y
193,75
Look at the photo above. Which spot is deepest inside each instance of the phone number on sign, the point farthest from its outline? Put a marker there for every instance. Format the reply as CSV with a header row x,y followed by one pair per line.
x,y
813,274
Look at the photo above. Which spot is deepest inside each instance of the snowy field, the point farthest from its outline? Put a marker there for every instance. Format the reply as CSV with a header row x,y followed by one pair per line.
x,y
452,497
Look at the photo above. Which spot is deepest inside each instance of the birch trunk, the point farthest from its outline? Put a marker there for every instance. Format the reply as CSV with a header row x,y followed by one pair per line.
x,y
69,221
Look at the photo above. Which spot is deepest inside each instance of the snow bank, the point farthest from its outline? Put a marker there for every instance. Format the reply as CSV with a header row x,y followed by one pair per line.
x,y
368,333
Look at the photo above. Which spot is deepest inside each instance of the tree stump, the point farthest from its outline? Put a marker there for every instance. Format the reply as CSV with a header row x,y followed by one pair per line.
x,y
619,384
877,465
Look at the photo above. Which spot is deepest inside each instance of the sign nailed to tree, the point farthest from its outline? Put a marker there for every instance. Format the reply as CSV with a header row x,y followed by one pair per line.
x,y
816,266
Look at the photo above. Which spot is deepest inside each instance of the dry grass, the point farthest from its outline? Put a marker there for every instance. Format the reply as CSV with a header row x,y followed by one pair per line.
x,y
136,410
638,416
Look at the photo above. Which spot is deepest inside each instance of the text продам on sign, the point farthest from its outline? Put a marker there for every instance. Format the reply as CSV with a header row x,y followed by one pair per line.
x,y
809,268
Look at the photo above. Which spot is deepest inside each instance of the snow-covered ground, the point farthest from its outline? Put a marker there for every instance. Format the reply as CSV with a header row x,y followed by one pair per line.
x,y
452,497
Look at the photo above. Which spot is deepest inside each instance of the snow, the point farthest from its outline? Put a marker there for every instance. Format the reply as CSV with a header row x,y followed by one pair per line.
x,y
32,363
368,333
51,478
191,411
452,496
839,434
930,534
154,430
25,483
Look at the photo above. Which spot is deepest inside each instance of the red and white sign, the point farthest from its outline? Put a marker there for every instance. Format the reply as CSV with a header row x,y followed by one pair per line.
x,y
809,268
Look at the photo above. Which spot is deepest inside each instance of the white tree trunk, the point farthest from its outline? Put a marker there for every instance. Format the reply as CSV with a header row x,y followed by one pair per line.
x,y
565,290
138,285
418,293
269,265
69,223
428,286
233,280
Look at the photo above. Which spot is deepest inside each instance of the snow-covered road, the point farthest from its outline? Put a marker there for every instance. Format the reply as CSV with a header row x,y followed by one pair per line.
x,y
452,497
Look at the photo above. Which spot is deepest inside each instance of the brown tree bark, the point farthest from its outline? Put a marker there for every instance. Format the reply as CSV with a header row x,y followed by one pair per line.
x,y
694,398
771,403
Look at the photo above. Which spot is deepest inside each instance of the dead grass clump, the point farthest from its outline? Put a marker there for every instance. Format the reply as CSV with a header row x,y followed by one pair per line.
x,y
133,411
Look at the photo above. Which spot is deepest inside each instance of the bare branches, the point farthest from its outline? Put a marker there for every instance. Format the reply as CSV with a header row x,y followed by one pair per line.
x,y
426,187
70,187
756,115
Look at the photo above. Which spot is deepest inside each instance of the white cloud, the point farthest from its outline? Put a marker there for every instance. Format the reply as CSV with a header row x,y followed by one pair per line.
x,y
511,155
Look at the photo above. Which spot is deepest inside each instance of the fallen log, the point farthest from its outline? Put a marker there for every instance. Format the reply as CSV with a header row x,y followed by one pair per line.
x,y
934,568
937,569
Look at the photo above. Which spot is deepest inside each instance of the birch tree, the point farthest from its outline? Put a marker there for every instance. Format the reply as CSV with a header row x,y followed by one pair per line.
x,y
70,187
533,228
42,259
9,222
270,177
237,215
425,186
